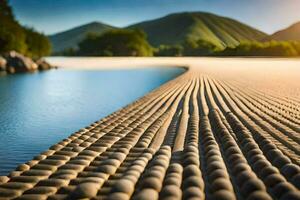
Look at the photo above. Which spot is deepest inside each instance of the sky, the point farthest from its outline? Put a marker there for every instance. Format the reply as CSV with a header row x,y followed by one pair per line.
x,y
52,16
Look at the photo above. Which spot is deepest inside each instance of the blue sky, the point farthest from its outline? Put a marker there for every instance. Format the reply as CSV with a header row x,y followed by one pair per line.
x,y
51,16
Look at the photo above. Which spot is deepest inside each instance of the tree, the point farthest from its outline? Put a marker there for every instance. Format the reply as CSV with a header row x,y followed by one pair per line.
x,y
199,48
66,52
166,50
118,42
296,45
12,36
272,48
38,44
15,37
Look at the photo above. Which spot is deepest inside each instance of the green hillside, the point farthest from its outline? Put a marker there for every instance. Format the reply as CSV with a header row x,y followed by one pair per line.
x,y
172,29
176,28
288,34
70,38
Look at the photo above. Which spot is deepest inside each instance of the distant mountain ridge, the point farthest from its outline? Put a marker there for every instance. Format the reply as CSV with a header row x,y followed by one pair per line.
x,y
288,34
70,38
171,29
175,28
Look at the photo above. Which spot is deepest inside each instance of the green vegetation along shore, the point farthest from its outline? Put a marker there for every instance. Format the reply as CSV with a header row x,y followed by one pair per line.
x,y
15,37
21,48
123,42
179,34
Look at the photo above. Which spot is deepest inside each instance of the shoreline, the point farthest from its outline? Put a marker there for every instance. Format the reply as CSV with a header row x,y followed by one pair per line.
x,y
263,73
112,63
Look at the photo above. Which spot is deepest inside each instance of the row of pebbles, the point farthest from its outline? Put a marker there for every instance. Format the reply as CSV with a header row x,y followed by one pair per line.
x,y
263,156
281,103
272,109
195,137
246,183
258,127
272,123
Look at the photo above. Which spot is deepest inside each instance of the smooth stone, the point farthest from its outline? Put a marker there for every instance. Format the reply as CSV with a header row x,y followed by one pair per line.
x,y
265,172
32,197
171,191
191,170
192,193
147,194
3,179
294,195
85,190
193,181
273,180
151,182
42,190
282,188
251,186
124,185
221,184
259,195
224,195
244,176
290,170
296,181
281,161
118,196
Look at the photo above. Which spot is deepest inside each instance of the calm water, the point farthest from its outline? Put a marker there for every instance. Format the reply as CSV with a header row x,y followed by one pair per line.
x,y
38,110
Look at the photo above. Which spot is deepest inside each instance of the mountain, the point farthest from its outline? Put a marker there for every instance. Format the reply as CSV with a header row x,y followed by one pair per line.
x,y
290,33
171,29
176,28
70,38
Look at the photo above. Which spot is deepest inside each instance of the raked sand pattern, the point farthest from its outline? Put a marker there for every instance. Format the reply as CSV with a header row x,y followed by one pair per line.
x,y
195,137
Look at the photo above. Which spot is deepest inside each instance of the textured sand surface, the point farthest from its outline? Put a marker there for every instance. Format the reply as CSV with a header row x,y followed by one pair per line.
x,y
215,132
280,76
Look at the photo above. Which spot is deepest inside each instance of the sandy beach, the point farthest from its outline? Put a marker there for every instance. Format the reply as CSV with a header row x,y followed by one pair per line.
x,y
272,75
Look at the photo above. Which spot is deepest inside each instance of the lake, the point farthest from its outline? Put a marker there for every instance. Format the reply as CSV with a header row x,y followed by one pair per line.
x,y
38,110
